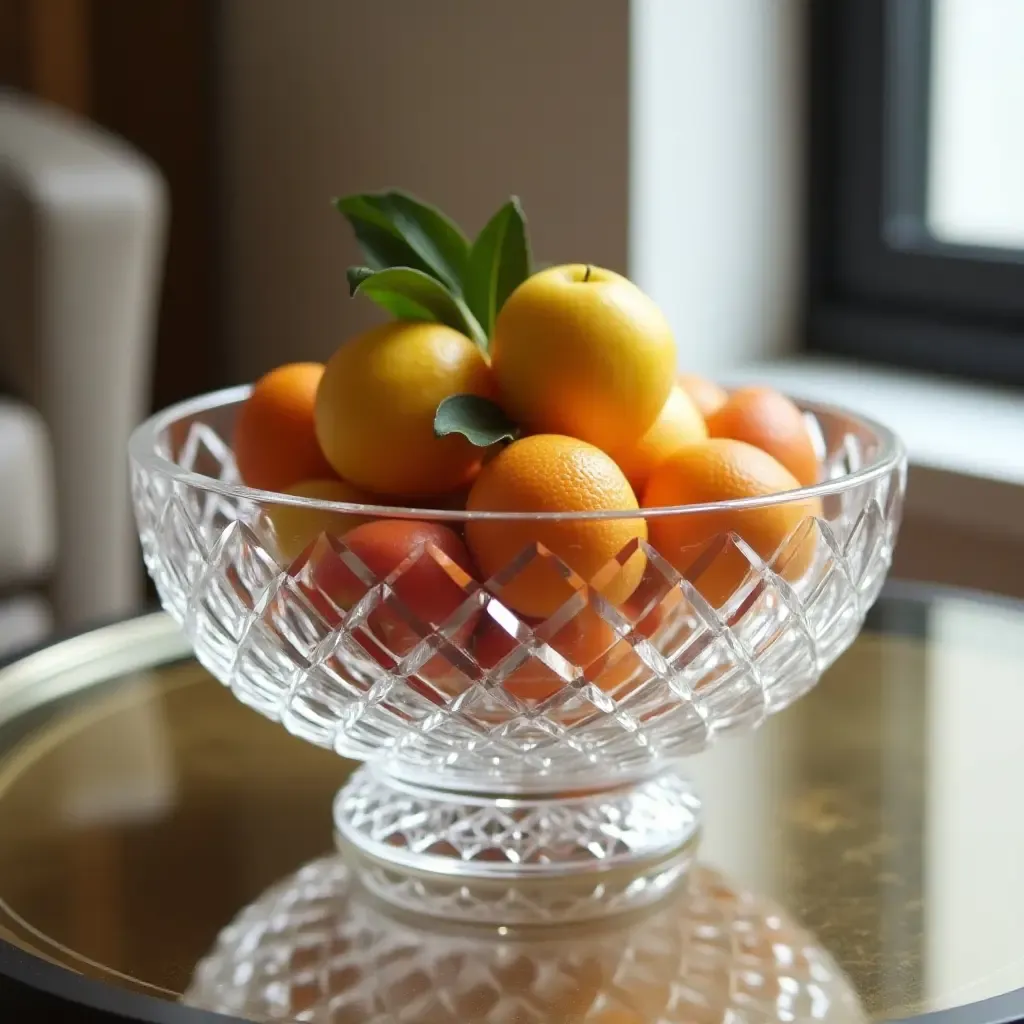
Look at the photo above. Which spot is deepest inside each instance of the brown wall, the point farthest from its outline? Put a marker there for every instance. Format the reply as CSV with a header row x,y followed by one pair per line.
x,y
460,101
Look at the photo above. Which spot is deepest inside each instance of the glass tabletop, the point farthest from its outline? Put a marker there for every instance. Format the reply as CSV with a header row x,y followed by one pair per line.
x,y
162,849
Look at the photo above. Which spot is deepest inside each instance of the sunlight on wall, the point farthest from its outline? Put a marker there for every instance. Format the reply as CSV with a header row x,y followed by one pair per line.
x,y
716,112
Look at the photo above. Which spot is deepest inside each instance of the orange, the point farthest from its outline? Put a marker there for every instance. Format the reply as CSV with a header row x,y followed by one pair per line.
x,y
723,470
769,421
275,436
708,396
679,423
376,404
581,351
551,473
296,527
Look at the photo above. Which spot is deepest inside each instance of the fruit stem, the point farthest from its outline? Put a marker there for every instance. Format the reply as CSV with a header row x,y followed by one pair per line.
x,y
586,273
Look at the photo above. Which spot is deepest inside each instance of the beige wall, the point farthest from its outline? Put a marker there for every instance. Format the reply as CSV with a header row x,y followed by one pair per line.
x,y
461,101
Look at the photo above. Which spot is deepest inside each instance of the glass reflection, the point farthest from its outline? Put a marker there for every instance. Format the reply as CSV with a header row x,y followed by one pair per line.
x,y
317,947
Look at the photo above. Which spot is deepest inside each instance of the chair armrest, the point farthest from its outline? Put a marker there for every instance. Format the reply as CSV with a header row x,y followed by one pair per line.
x,y
27,504
82,230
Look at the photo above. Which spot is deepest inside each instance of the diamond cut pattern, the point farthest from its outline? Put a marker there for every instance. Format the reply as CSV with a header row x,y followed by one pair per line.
x,y
607,828
314,948
669,679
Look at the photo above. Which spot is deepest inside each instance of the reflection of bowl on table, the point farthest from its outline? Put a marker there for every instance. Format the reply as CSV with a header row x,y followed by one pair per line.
x,y
581,743
317,947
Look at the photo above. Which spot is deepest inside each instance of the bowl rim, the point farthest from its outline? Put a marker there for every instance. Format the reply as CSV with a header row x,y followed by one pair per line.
x,y
143,450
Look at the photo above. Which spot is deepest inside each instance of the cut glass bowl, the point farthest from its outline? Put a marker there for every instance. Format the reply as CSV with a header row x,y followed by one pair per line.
x,y
553,757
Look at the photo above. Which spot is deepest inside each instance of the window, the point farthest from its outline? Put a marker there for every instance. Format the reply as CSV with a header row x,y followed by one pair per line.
x,y
917,184
976,120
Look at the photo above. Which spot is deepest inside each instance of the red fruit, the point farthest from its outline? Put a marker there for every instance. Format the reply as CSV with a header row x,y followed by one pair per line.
x,y
435,576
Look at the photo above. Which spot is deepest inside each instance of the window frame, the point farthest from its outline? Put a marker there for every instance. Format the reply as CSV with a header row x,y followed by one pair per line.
x,y
879,286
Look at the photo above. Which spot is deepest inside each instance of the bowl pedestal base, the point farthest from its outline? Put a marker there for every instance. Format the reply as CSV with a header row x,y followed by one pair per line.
x,y
575,854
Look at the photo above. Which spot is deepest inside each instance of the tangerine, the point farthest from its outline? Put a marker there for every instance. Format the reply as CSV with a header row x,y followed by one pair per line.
x,y
552,473
275,435
723,470
708,396
679,423
768,420
376,404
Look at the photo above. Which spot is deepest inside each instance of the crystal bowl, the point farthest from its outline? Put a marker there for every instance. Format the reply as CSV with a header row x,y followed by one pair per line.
x,y
560,750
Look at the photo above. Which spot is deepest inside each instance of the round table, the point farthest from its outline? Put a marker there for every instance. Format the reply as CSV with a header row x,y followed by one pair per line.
x,y
863,857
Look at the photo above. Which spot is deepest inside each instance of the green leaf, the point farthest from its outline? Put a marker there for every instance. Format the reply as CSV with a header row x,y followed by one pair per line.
x,y
381,244
498,263
356,276
399,306
481,421
396,230
411,294
436,238
383,249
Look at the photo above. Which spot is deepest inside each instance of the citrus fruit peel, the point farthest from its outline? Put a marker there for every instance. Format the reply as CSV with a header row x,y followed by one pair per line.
x,y
535,565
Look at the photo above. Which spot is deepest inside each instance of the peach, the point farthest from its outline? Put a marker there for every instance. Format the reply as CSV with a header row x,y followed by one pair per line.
x,y
436,576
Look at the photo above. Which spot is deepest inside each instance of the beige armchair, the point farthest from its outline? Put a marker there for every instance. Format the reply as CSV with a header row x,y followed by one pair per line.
x,y
82,227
